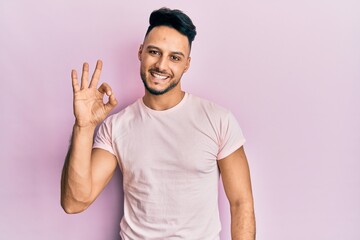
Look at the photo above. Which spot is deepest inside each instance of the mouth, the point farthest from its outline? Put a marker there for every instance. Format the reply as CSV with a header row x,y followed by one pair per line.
x,y
159,76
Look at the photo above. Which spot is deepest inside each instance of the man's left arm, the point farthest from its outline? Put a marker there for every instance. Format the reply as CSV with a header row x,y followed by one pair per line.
x,y
235,175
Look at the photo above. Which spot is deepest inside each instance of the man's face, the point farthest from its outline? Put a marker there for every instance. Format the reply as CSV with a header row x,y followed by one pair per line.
x,y
164,57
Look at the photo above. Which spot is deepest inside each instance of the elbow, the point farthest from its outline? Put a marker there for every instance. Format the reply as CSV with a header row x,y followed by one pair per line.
x,y
73,206
71,210
72,201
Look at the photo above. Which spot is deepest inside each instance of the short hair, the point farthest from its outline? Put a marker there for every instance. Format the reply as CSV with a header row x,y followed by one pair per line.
x,y
175,19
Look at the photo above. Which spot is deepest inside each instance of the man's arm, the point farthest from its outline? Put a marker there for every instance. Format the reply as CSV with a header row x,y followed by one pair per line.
x,y
86,171
237,185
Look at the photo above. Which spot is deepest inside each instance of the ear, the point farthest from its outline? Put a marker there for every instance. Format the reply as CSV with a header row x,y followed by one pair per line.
x,y
187,66
140,51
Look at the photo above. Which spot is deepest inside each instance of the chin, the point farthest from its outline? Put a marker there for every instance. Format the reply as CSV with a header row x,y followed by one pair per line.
x,y
157,92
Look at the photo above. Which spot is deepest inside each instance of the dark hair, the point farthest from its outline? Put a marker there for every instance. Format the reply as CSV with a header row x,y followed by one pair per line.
x,y
175,19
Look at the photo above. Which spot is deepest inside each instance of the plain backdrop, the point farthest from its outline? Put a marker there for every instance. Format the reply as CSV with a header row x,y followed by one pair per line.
x,y
288,70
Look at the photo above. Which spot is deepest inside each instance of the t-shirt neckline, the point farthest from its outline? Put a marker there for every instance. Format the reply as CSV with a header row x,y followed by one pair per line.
x,y
174,108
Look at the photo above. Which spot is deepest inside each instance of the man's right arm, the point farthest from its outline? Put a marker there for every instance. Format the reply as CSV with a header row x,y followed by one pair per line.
x,y
86,170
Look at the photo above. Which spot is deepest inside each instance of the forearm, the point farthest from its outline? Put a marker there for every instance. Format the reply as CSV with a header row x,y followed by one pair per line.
x,y
243,222
76,178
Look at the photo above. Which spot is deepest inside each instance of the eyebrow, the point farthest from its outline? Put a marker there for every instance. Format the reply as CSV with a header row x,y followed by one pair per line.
x,y
177,53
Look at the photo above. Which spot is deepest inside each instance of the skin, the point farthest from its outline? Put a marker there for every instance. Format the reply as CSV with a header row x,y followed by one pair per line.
x,y
165,52
236,179
164,57
87,171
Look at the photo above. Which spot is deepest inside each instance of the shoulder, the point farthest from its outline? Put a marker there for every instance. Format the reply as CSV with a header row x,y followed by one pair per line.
x,y
127,112
123,118
207,106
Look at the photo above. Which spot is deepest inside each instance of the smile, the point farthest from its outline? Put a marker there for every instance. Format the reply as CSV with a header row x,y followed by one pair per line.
x,y
159,75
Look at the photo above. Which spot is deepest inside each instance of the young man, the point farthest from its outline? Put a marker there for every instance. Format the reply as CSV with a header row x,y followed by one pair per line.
x,y
171,147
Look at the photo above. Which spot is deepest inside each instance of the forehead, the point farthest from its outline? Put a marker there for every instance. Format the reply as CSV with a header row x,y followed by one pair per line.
x,y
167,39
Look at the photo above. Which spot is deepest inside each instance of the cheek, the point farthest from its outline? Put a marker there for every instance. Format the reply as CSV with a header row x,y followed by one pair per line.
x,y
147,62
179,69
144,63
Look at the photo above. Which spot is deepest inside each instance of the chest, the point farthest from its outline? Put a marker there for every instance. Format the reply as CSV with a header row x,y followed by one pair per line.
x,y
169,148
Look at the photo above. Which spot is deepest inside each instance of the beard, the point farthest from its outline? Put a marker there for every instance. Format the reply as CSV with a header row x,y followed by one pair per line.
x,y
153,91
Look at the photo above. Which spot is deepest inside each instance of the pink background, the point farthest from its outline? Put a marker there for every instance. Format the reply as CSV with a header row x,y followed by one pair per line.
x,y
289,71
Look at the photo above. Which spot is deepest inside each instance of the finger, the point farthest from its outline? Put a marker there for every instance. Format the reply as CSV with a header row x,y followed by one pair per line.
x,y
105,89
85,76
96,75
112,102
75,83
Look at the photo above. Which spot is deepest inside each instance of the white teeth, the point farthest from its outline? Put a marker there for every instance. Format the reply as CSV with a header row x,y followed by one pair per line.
x,y
159,76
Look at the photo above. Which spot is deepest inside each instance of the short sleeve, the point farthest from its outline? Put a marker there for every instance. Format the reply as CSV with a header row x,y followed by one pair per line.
x,y
231,136
103,138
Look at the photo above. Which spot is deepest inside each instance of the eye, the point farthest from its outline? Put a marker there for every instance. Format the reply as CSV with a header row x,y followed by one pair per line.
x,y
154,52
175,58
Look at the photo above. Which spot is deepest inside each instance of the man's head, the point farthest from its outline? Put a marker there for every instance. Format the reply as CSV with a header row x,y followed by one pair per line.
x,y
165,53
174,19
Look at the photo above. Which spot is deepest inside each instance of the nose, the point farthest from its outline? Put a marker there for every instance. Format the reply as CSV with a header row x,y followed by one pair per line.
x,y
161,63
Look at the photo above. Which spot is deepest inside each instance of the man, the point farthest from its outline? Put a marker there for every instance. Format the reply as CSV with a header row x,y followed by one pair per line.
x,y
171,147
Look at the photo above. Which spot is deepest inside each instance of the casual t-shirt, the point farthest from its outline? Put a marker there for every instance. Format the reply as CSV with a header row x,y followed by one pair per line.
x,y
169,164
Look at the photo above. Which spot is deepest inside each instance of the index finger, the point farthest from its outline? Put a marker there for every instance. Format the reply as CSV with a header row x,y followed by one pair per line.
x,y
96,75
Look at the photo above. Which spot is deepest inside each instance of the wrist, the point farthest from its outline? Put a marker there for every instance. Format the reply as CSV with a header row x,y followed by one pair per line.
x,y
81,125
89,129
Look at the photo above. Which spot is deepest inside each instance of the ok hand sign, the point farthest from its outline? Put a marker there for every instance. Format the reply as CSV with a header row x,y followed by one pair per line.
x,y
89,107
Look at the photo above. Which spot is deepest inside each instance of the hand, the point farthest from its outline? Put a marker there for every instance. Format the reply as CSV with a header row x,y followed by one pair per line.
x,y
89,108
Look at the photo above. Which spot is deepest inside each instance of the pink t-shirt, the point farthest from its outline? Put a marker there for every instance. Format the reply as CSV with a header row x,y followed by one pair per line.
x,y
169,165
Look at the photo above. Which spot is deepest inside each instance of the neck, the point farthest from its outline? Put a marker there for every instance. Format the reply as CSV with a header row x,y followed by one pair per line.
x,y
164,101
